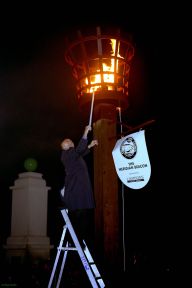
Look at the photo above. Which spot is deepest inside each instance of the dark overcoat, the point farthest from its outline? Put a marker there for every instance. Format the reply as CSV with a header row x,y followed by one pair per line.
x,y
78,188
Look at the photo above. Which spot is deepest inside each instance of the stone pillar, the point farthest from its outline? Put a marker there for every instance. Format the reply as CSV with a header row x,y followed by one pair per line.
x,y
29,217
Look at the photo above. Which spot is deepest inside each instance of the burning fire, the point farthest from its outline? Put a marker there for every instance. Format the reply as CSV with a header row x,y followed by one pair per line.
x,y
101,76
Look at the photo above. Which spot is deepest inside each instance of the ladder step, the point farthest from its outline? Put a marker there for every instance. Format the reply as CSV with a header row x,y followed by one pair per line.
x,y
95,271
68,249
101,283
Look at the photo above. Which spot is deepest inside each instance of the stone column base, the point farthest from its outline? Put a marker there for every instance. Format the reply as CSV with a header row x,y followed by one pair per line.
x,y
37,247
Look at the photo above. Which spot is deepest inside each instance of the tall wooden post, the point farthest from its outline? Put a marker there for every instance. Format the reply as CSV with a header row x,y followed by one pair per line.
x,y
106,184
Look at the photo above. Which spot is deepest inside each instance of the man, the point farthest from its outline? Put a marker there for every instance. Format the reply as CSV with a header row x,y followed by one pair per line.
x,y
78,195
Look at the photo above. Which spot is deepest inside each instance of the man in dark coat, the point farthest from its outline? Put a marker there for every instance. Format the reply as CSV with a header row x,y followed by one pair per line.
x,y
78,194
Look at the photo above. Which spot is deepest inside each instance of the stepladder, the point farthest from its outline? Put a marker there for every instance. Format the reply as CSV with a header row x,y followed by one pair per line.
x,y
84,254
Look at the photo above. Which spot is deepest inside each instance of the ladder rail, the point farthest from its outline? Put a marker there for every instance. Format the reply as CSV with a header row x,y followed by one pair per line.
x,y
59,249
62,267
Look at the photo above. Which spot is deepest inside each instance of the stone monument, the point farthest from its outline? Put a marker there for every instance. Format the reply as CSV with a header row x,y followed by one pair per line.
x,y
29,216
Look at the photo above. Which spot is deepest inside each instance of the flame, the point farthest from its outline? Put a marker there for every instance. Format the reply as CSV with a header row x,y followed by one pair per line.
x,y
107,77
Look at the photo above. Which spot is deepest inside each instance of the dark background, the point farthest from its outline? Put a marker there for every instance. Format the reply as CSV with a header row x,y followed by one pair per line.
x,y
38,108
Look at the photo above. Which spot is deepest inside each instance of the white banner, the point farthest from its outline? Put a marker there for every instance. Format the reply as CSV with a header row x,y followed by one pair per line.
x,y
131,160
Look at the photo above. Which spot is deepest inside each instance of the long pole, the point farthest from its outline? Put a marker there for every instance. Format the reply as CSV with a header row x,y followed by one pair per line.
x,y
91,111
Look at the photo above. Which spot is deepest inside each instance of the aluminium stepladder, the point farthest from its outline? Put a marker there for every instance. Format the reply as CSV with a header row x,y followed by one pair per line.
x,y
84,254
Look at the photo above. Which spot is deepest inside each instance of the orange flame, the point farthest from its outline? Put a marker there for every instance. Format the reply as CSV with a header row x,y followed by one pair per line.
x,y
107,77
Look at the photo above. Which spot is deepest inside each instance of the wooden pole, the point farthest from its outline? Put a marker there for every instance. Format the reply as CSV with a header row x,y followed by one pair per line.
x,y
106,187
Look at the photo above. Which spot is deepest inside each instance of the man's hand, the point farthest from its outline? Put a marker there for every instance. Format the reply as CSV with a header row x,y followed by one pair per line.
x,y
86,131
93,143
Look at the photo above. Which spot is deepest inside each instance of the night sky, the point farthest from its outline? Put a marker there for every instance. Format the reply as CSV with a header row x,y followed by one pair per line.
x,y
38,105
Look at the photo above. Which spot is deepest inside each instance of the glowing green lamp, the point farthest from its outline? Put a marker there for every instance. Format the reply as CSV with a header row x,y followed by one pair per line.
x,y
30,164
